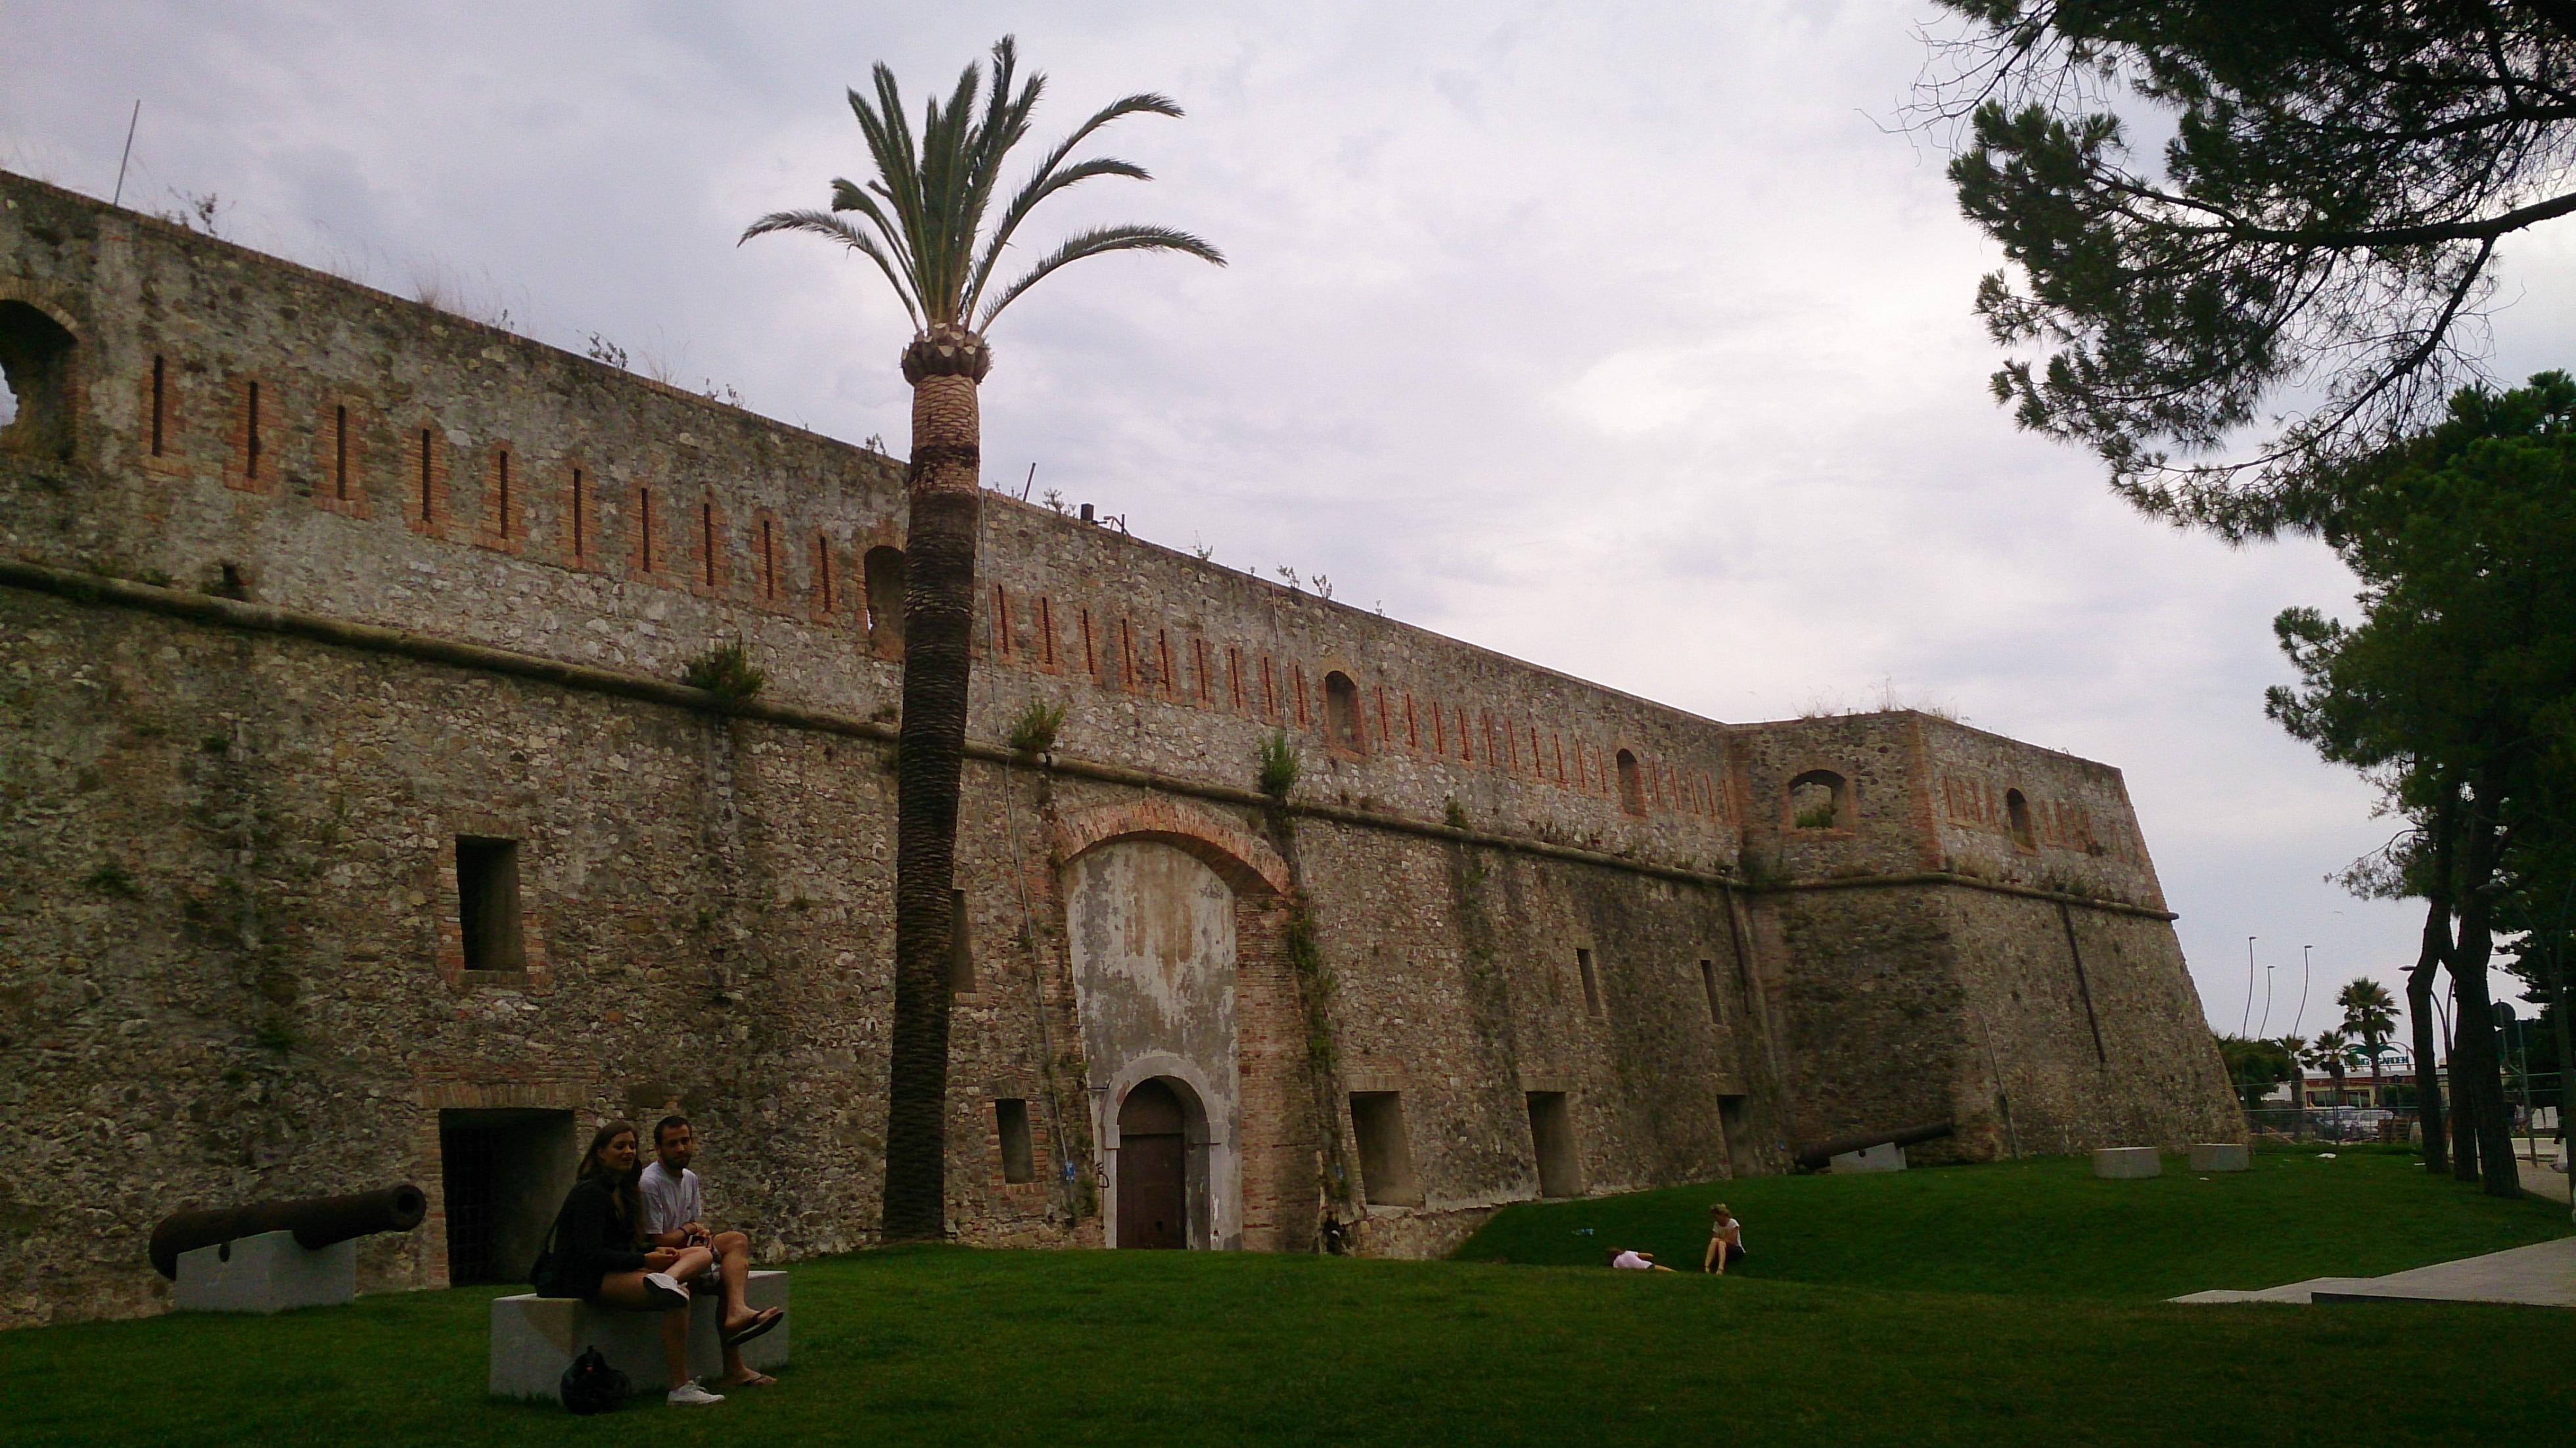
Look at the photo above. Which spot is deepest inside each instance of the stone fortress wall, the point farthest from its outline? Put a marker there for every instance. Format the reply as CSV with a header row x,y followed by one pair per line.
x,y
331,620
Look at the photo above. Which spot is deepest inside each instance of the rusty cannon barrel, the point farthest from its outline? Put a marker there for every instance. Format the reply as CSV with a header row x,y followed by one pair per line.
x,y
317,1222
1814,1157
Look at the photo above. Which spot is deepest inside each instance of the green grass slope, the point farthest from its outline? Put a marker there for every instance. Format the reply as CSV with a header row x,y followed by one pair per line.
x,y
2047,1228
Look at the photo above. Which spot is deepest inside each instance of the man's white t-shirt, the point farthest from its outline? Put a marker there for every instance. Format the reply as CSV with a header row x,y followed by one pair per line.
x,y
670,1202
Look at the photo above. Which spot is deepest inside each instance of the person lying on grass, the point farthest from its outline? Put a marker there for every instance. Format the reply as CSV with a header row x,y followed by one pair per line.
x,y
1725,1240
675,1216
1630,1261
598,1254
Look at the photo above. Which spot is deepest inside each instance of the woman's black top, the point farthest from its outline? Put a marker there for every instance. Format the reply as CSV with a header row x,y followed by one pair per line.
x,y
591,1241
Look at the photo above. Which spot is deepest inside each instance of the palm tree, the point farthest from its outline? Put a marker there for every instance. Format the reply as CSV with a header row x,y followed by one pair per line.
x,y
925,212
2333,1051
2370,1014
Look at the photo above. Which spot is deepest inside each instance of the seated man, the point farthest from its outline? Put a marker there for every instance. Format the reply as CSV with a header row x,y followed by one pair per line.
x,y
675,1216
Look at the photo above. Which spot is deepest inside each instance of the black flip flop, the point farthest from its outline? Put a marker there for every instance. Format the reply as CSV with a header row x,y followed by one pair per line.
x,y
768,1318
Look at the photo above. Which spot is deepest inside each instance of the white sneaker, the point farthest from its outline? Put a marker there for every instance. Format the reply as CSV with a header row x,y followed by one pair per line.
x,y
665,1290
690,1395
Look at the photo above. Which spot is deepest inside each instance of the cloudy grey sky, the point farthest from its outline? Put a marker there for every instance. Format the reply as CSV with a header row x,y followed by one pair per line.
x,y
1632,339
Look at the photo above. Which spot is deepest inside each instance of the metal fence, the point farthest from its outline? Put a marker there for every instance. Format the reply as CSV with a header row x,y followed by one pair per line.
x,y
2362,1123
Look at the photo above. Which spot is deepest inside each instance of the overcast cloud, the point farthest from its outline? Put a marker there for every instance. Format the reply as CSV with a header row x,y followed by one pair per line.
x,y
1628,339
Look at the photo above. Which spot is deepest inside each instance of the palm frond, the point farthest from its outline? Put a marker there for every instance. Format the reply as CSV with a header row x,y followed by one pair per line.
x,y
849,197
1042,181
928,202
1100,241
824,223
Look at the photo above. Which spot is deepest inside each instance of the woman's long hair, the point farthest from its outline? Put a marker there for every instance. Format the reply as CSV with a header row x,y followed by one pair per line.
x,y
622,1189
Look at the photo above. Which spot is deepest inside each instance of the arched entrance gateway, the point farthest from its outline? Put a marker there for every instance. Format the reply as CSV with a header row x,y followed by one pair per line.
x,y
1158,903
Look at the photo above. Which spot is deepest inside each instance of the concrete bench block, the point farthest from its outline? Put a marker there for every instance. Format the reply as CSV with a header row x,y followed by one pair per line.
x,y
2221,1156
2127,1163
266,1273
535,1338
1886,1156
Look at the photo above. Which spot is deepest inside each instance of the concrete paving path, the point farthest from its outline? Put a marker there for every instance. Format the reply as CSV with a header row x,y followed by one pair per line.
x,y
2540,1275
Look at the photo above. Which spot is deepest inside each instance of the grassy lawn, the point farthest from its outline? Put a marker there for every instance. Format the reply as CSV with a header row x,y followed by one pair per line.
x,y
946,1345
2047,1228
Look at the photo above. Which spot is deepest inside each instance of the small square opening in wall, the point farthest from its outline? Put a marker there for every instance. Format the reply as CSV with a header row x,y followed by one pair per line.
x,y
961,946
487,903
1560,1168
1591,981
1011,1123
1386,1157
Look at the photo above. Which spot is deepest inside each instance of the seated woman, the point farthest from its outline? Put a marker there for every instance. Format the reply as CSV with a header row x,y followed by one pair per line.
x,y
1725,1241
599,1254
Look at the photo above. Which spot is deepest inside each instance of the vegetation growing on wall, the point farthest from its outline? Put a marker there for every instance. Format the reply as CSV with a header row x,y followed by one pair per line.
x,y
725,671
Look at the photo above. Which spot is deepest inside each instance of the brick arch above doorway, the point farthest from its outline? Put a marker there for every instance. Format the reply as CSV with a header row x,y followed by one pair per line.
x,y
1241,859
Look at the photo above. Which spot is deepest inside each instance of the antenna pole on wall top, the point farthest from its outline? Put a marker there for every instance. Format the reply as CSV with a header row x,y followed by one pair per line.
x,y
1031,483
129,152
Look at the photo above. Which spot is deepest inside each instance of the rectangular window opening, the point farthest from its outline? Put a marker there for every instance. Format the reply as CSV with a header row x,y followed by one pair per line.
x,y
768,560
340,451
425,503
580,537
1011,1123
501,481
1046,630
160,400
1591,981
1560,1167
1386,1158
961,946
707,539
250,436
644,524
1001,622
487,903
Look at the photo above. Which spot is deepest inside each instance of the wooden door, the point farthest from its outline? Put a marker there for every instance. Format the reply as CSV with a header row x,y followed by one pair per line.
x,y
1153,1168
1151,1172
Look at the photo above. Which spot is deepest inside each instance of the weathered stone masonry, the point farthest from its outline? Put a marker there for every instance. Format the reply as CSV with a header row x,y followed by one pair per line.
x,y
319,603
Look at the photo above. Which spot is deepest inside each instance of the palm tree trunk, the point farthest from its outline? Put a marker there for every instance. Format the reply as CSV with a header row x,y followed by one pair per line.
x,y
943,484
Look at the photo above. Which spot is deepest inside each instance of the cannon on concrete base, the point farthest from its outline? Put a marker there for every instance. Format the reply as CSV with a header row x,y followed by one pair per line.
x,y
316,1222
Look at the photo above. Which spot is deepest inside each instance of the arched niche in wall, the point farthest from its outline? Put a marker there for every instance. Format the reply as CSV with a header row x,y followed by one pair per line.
x,y
1819,799
882,571
2017,817
1342,728
1632,784
38,403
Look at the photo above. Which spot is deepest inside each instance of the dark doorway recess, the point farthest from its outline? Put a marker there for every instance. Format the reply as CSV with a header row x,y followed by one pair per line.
x,y
1153,1168
1560,1168
505,1174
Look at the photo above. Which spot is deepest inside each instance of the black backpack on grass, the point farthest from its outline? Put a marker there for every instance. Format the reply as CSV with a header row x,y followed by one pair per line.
x,y
591,1385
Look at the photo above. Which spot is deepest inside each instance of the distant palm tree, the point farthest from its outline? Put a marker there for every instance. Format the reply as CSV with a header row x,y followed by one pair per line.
x,y
2369,1013
925,209
2333,1051
2295,1048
